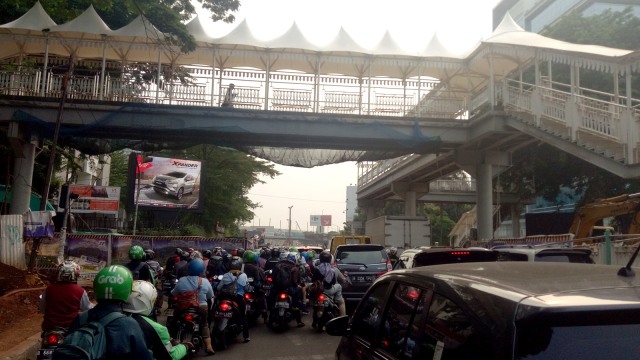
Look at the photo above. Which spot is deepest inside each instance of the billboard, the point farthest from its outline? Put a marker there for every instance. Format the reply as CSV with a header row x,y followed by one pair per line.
x,y
160,183
320,220
92,199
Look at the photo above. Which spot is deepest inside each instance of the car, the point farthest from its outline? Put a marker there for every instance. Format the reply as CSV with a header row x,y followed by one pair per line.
x,y
361,264
495,310
427,256
174,183
545,254
316,249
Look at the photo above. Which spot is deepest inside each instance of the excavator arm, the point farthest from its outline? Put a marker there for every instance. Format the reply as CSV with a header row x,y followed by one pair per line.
x,y
587,217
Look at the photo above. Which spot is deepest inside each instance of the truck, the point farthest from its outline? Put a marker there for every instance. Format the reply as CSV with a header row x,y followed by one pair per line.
x,y
401,232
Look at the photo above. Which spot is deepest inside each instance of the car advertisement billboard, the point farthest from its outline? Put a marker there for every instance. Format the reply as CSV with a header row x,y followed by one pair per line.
x,y
162,183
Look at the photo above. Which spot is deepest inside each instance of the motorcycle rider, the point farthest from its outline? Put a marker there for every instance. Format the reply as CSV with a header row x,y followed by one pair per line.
x,y
140,305
253,271
157,270
273,260
180,269
124,337
61,301
393,255
140,270
236,275
330,281
190,283
288,263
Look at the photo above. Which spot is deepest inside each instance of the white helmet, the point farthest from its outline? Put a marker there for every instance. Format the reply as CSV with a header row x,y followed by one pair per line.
x,y
284,255
142,298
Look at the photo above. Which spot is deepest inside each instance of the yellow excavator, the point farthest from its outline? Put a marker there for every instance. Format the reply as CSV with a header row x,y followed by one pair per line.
x,y
589,215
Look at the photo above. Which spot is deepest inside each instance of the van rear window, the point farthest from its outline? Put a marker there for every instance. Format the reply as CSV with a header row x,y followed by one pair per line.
x,y
453,256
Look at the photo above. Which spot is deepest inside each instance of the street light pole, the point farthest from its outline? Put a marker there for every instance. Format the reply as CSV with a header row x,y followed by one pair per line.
x,y
289,236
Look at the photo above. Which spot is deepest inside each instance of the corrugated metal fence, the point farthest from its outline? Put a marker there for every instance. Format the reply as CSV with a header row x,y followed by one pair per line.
x,y
11,244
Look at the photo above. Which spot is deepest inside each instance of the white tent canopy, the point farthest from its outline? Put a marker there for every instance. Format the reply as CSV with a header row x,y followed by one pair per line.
x,y
509,47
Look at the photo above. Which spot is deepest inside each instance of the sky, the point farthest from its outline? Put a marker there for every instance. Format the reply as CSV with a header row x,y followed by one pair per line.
x,y
459,25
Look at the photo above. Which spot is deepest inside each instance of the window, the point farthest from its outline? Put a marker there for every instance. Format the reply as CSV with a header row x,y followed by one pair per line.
x,y
397,321
359,256
367,319
443,332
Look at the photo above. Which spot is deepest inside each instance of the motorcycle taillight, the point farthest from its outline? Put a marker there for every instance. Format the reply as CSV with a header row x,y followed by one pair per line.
x,y
225,306
248,296
53,339
321,298
188,317
282,296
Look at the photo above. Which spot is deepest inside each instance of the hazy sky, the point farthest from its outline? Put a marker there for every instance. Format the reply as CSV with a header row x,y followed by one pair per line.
x,y
459,24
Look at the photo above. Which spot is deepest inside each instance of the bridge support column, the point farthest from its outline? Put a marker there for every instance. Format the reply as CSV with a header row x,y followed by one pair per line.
x,y
515,220
483,165
25,151
484,201
410,192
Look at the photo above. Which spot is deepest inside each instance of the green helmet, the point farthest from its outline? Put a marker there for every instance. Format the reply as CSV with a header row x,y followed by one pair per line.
x,y
293,249
249,257
113,283
136,253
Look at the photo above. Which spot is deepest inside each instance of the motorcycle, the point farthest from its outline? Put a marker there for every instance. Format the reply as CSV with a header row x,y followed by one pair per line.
x,y
281,313
226,322
169,281
187,328
324,309
50,340
254,299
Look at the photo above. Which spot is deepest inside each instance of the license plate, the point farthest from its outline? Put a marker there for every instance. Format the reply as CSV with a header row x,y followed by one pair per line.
x,y
362,278
248,306
223,314
266,286
44,354
282,304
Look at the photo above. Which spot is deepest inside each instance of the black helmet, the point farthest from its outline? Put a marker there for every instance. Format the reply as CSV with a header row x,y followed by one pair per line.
x,y
149,254
325,257
236,263
275,253
207,254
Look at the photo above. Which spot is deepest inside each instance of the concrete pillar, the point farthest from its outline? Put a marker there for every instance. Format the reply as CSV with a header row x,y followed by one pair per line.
x,y
410,192
410,203
484,201
22,180
515,220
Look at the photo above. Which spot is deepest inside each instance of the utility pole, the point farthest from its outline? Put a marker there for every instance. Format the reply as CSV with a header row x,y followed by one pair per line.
x,y
289,236
52,157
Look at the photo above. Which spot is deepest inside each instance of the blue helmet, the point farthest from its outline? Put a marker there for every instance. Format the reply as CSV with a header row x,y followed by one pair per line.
x,y
196,267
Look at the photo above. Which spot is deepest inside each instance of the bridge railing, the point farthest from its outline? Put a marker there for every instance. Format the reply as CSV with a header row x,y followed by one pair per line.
x,y
282,91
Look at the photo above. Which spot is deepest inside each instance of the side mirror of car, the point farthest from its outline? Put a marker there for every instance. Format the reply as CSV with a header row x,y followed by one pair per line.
x,y
337,326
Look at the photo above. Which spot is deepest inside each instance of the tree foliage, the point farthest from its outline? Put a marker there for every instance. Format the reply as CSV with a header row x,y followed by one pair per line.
x,y
169,16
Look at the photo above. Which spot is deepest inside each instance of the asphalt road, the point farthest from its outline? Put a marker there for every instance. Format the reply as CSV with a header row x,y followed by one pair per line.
x,y
294,344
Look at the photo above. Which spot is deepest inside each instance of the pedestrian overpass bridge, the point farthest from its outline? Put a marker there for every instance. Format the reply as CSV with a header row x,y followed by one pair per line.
x,y
408,120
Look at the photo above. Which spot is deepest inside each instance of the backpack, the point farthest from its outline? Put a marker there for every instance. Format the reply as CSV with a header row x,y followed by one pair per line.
x,y
283,275
88,341
230,289
188,299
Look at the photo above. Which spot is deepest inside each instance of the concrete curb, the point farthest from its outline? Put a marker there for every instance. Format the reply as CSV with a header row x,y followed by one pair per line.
x,y
26,350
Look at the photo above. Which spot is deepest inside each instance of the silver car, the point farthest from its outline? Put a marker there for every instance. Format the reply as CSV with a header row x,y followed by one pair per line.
x,y
175,183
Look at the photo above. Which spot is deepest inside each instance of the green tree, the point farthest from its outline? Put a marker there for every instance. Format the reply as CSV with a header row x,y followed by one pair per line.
x,y
169,16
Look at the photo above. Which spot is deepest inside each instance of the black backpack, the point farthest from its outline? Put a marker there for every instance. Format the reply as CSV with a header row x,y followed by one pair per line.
x,y
282,273
88,342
